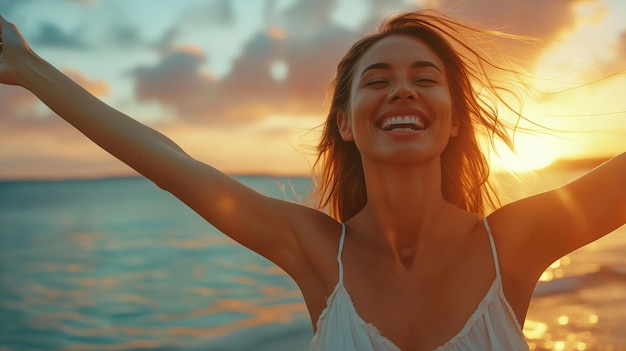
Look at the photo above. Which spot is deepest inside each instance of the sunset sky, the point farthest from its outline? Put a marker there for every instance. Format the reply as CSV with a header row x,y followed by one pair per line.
x,y
240,84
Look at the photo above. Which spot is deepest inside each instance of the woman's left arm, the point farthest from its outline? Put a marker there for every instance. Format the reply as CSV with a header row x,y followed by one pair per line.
x,y
555,223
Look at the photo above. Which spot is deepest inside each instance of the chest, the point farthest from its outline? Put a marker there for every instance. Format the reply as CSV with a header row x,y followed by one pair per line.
x,y
420,316
426,305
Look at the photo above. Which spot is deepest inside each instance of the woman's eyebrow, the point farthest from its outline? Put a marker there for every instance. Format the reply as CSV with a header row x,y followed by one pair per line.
x,y
416,64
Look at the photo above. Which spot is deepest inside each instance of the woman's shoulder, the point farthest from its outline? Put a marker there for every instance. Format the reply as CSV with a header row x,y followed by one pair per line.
x,y
317,273
318,237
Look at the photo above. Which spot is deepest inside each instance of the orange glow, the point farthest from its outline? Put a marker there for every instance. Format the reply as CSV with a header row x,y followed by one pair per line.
x,y
191,49
99,88
277,33
531,153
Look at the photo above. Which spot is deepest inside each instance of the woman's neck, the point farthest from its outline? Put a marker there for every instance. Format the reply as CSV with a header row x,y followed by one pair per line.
x,y
403,203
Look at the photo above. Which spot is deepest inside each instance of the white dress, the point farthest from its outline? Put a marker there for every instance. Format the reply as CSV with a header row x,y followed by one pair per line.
x,y
492,326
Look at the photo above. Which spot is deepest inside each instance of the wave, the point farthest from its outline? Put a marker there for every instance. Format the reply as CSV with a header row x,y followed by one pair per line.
x,y
603,276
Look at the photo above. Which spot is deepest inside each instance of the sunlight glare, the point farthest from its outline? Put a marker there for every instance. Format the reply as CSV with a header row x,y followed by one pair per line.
x,y
531,153
535,329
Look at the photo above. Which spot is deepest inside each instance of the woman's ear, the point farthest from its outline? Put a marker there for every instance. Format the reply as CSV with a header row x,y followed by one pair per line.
x,y
345,128
454,128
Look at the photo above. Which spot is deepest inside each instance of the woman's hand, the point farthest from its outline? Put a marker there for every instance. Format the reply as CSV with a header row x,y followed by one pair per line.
x,y
14,53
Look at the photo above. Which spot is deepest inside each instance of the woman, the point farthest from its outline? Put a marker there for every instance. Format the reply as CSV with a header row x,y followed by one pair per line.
x,y
405,260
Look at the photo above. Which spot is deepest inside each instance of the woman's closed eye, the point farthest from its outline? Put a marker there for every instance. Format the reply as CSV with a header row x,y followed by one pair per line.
x,y
426,81
419,81
376,81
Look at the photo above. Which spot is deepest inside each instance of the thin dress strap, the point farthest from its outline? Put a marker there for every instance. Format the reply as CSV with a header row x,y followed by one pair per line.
x,y
343,235
493,247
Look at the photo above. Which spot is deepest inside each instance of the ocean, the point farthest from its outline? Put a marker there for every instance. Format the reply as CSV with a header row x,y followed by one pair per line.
x,y
118,264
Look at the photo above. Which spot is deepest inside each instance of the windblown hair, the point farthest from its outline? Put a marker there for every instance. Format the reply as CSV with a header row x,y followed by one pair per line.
x,y
475,97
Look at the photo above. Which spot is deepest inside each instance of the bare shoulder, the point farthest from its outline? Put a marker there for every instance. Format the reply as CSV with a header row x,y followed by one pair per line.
x,y
514,244
316,269
318,236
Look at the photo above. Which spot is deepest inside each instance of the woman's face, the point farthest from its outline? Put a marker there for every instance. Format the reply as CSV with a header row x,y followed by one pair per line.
x,y
400,108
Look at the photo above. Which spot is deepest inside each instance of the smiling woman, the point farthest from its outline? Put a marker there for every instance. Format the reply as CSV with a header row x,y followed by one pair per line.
x,y
403,193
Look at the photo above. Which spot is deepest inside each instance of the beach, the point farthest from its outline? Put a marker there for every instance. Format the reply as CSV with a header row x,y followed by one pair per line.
x,y
118,264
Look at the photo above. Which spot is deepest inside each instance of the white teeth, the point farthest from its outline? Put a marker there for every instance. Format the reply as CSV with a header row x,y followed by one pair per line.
x,y
389,123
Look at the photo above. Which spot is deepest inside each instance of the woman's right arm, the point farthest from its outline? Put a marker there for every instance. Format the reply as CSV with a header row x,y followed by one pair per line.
x,y
263,224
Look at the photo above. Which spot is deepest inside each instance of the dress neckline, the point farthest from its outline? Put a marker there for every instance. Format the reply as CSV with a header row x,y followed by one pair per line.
x,y
494,289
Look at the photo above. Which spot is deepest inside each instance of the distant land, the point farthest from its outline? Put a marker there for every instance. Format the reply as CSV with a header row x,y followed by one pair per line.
x,y
575,164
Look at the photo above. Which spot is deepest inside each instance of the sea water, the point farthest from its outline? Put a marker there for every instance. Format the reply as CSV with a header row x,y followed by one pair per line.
x,y
118,264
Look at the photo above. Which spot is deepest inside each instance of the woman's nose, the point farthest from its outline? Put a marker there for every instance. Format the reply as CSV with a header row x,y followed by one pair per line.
x,y
402,91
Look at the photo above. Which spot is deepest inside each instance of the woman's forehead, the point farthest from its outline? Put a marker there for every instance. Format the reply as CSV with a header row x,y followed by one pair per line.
x,y
399,50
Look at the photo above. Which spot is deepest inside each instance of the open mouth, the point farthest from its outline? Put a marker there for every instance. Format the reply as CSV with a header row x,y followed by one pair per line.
x,y
404,123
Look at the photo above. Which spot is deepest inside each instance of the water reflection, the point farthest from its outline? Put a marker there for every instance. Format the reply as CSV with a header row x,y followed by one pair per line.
x,y
155,277
567,309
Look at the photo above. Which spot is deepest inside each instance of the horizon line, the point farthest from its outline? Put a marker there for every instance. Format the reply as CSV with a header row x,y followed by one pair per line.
x,y
558,164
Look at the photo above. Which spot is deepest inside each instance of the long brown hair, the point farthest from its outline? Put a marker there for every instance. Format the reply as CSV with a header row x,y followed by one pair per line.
x,y
475,97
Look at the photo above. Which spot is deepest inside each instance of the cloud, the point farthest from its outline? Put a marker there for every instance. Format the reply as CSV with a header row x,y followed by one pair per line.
x,y
99,88
384,8
20,110
305,18
89,27
110,24
49,34
167,40
310,63
546,21
208,13
177,81
221,12
250,91
14,102
300,39
621,47
519,17
305,42
302,36
124,35
213,12
8,7
617,62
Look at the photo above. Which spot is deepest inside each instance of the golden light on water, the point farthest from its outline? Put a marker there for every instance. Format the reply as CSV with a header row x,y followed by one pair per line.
x,y
555,270
559,345
560,321
534,329
546,276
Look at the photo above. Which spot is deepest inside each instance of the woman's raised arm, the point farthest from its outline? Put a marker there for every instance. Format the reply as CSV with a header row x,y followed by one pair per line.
x,y
550,225
261,223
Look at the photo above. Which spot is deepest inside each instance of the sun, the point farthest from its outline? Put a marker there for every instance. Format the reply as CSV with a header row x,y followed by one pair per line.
x,y
531,153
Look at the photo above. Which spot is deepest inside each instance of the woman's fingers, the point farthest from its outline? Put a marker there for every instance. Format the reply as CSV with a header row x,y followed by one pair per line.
x,y
8,31
13,52
3,23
